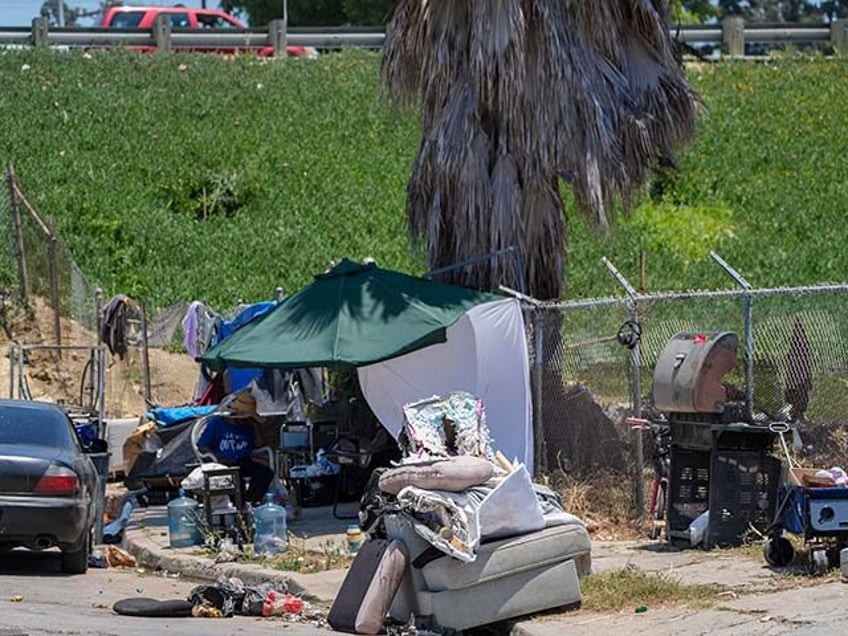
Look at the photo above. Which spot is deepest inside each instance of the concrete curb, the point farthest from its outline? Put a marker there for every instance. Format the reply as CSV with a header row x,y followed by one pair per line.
x,y
320,587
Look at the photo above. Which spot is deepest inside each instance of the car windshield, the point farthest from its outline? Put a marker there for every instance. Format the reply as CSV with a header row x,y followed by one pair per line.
x,y
127,19
34,426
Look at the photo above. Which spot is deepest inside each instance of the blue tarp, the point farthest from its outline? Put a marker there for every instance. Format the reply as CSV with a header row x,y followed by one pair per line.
x,y
240,378
170,415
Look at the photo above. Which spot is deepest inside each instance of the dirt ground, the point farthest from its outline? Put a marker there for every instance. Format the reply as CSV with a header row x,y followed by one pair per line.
x,y
56,378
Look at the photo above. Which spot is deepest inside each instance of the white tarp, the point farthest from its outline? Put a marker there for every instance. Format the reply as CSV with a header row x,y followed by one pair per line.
x,y
486,355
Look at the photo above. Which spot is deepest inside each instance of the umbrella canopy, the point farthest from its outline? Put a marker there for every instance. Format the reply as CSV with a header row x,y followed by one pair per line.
x,y
354,314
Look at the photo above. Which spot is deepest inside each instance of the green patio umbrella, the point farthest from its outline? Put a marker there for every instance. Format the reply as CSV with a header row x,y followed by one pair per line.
x,y
354,314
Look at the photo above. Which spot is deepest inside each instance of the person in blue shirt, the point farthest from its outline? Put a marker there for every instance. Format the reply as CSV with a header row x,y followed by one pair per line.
x,y
231,439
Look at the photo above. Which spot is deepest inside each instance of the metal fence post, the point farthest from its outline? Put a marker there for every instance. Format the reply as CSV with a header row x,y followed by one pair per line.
x,y
749,331
162,33
539,455
101,371
635,383
17,230
148,391
733,36
11,371
839,35
278,33
53,266
40,33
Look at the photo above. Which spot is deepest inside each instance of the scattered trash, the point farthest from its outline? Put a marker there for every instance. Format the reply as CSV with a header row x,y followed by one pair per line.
x,y
641,609
100,606
281,604
97,560
17,598
118,557
205,609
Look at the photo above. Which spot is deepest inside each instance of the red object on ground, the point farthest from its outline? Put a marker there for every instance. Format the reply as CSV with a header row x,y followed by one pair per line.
x,y
277,604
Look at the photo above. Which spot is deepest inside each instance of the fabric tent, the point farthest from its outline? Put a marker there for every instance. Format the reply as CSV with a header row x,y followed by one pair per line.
x,y
485,354
411,338
351,315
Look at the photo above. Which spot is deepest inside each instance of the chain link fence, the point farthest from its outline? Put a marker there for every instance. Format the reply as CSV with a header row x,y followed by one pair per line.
x,y
592,361
51,316
598,358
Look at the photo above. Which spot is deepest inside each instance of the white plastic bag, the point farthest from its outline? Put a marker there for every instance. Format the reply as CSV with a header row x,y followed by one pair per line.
x,y
698,528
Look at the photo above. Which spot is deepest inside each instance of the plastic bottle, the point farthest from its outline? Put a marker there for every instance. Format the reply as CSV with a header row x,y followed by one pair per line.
x,y
182,522
354,538
270,528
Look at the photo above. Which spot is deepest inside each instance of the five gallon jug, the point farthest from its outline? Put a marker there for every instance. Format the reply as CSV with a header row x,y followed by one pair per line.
x,y
270,530
182,522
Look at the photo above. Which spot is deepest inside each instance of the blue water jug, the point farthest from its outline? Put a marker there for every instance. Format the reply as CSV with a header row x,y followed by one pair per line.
x,y
270,528
182,522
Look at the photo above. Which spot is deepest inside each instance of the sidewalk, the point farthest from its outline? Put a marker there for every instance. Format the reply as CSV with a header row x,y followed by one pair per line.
x,y
147,540
753,605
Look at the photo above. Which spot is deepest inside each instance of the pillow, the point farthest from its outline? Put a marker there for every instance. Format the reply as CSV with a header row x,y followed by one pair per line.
x,y
451,474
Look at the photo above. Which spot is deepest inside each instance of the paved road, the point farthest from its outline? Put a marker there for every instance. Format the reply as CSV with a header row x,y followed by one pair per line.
x,y
57,604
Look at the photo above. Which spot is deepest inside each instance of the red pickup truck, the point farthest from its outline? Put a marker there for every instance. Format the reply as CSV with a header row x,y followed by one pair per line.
x,y
181,17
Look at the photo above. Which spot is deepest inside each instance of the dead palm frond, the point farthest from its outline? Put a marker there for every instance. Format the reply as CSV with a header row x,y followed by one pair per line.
x,y
513,93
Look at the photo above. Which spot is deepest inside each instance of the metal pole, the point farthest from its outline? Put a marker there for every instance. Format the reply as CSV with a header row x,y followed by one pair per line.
x,y
749,331
21,373
11,371
53,266
148,394
17,230
61,16
540,460
101,377
635,383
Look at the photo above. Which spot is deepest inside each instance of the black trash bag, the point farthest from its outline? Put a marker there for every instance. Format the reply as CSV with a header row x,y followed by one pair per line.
x,y
254,597
213,596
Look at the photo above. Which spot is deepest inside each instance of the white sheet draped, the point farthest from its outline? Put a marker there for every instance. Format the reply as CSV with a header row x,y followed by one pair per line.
x,y
486,355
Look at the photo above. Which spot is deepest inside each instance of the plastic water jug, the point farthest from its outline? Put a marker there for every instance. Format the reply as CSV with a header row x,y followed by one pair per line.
x,y
182,522
270,529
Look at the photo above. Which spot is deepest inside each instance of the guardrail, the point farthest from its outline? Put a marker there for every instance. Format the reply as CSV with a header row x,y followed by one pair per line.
x,y
732,35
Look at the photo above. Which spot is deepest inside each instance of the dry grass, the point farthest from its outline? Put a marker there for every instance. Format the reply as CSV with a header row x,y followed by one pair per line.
x,y
629,588
606,503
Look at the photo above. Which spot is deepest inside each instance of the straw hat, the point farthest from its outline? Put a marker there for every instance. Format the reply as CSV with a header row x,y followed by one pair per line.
x,y
242,405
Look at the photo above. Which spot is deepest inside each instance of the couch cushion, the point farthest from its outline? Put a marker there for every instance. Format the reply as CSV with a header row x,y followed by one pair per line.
x,y
510,556
532,590
451,474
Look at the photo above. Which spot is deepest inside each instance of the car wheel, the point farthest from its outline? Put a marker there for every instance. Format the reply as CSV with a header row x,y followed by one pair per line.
x,y
76,561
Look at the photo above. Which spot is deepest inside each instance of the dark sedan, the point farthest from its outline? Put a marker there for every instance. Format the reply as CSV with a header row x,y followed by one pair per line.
x,y
48,484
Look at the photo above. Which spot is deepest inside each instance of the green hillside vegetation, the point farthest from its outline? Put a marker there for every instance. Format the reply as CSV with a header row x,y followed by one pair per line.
x,y
183,177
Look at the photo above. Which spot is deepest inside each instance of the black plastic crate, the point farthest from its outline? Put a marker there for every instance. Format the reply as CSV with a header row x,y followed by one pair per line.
x,y
743,494
689,489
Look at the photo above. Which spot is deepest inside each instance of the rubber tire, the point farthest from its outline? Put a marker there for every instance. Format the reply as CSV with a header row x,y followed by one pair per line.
x,y
153,608
76,561
778,551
